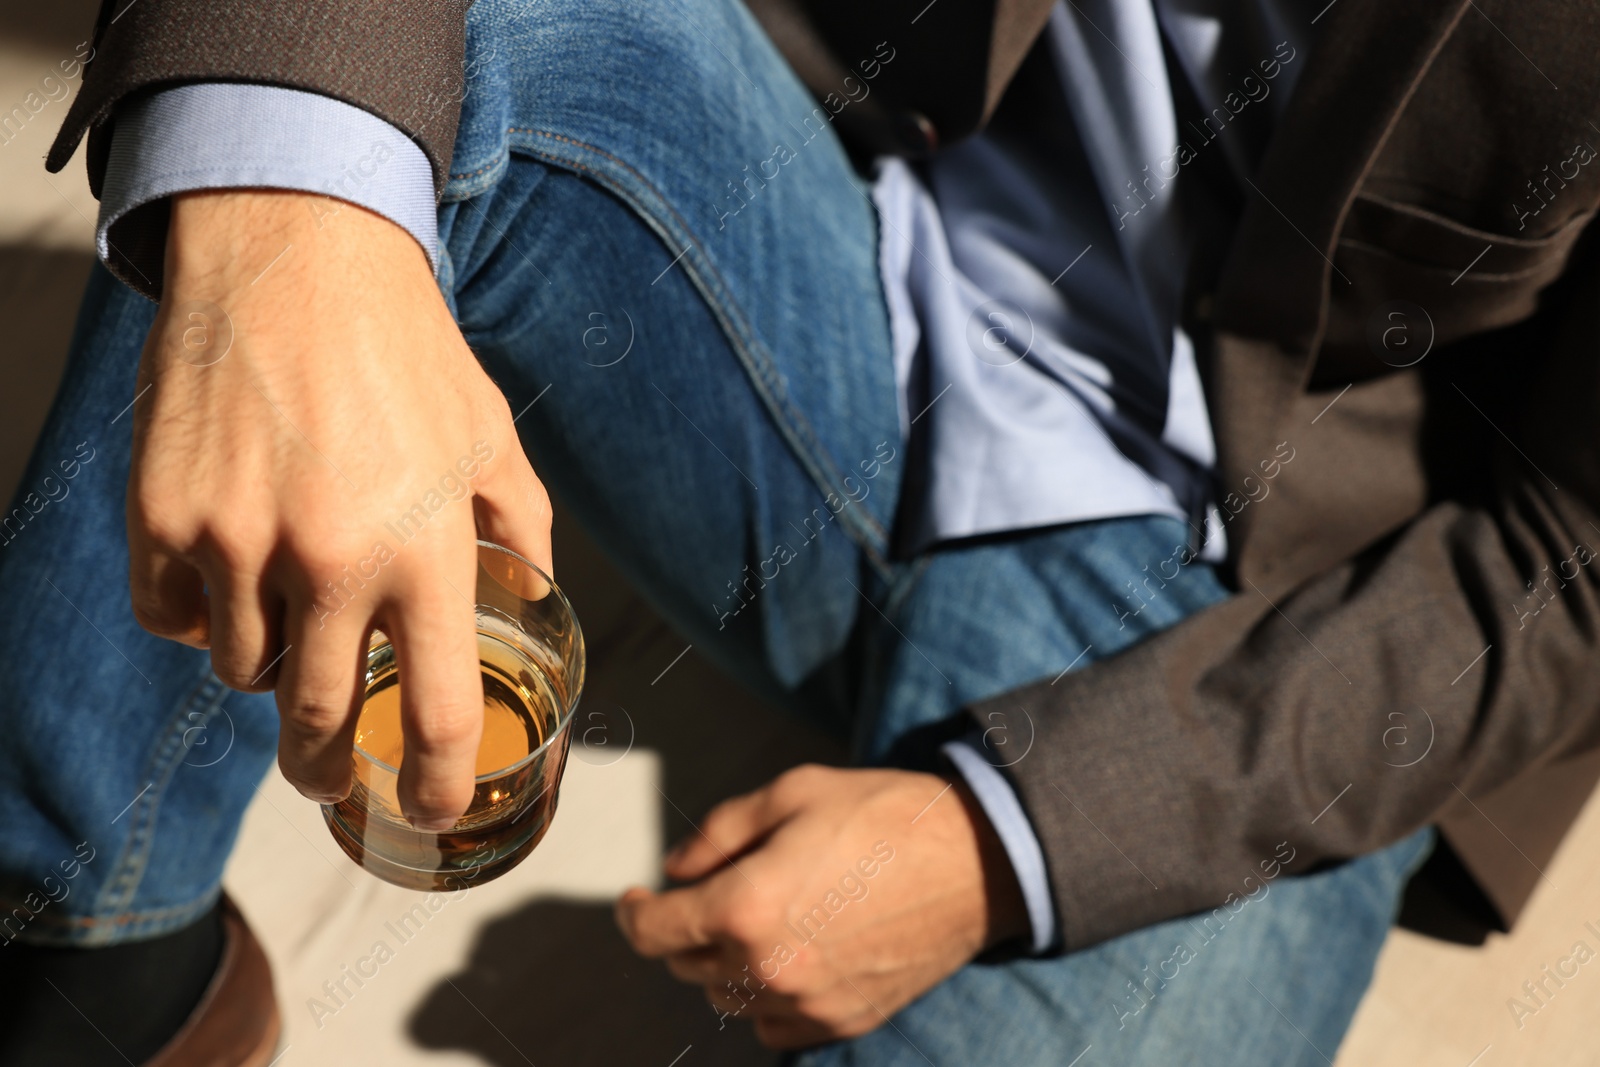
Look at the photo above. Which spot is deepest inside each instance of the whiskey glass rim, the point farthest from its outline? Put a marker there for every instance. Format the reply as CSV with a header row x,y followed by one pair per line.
x,y
564,717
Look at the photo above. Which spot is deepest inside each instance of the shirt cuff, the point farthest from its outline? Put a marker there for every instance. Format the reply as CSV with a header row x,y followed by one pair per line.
x,y
1004,811
217,135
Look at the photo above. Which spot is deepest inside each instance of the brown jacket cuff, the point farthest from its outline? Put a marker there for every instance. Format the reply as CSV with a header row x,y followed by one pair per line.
x,y
402,61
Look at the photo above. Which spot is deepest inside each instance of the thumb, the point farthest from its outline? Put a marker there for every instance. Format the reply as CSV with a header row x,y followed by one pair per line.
x,y
732,828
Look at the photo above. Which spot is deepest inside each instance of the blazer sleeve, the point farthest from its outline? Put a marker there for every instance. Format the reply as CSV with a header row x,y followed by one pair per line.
x,y
1287,728
398,59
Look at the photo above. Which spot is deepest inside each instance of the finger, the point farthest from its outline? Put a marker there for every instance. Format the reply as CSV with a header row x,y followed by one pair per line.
x,y
701,966
657,924
320,686
512,507
745,994
168,594
729,830
246,622
431,620
792,1030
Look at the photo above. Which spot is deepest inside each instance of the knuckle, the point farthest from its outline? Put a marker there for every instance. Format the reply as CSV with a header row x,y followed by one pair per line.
x,y
317,713
441,798
499,404
539,509
262,681
233,668
716,822
321,789
790,981
538,495
495,414
320,677
150,612
444,726
798,781
239,664
333,566
818,773
747,920
744,928
158,515
237,543
319,562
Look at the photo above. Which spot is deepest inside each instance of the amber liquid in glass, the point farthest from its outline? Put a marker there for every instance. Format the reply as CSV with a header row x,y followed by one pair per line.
x,y
509,812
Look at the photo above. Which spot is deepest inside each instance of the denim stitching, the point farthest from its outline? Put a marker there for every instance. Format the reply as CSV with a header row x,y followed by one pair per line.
x,y
454,193
904,583
153,921
132,862
472,173
763,371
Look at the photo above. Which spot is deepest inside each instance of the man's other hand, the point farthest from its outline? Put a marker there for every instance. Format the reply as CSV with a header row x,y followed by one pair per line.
x,y
315,450
826,901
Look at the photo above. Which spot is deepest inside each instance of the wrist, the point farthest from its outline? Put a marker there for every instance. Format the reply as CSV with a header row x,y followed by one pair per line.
x,y
1005,911
228,239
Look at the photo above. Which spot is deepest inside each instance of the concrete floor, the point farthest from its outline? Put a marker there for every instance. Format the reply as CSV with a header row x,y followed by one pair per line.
x,y
529,968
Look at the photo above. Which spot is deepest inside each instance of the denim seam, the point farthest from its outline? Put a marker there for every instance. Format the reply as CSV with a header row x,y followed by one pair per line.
x,y
132,862
152,922
446,279
905,582
899,581
451,194
766,368
791,422
472,173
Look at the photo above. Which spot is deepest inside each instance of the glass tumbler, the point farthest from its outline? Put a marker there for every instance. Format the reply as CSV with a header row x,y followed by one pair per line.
x,y
530,650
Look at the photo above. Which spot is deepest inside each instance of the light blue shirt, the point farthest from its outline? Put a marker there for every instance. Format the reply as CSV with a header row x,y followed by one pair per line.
x,y
1033,277
219,135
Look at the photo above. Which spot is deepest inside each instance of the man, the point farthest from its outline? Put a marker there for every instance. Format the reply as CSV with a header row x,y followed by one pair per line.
x,y
888,449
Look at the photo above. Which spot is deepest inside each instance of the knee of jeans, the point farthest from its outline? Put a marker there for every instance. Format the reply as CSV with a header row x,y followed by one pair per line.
x,y
625,76
599,32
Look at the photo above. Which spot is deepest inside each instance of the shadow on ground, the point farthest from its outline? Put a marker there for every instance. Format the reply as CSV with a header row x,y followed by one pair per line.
x,y
535,971
553,982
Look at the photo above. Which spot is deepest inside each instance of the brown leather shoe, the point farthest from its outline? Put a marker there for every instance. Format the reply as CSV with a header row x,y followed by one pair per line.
x,y
236,1023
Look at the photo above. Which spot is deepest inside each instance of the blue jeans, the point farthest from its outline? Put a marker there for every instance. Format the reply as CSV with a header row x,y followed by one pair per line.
x,y
698,317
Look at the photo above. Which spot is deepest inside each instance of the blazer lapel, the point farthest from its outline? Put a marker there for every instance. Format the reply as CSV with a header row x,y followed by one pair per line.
x,y
1274,278
1271,306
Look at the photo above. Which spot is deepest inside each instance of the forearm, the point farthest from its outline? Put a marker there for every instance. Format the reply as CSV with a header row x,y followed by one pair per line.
x,y
1326,722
